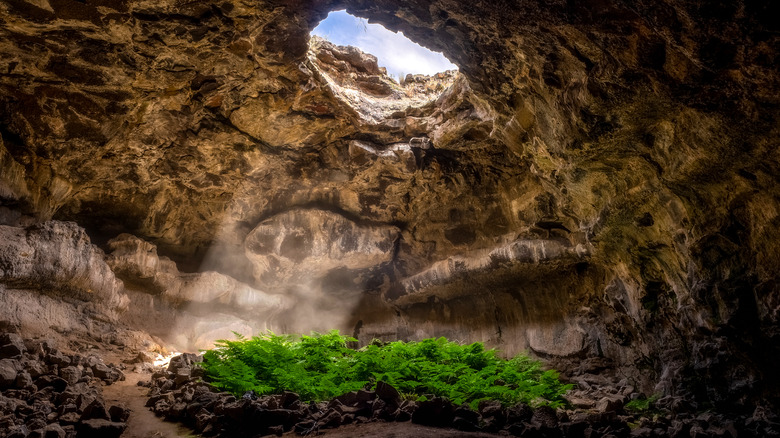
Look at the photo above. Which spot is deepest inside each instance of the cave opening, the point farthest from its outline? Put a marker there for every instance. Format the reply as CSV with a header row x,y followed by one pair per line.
x,y
378,73
395,52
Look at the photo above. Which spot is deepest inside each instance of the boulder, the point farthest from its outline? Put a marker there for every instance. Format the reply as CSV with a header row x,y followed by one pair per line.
x,y
11,346
436,412
185,360
9,369
100,428
388,394
71,374
545,416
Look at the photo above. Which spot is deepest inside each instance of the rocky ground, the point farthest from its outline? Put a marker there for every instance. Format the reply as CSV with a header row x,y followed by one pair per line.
x,y
48,392
178,393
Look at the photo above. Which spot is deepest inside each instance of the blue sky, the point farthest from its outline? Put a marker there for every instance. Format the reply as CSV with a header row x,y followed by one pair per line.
x,y
393,50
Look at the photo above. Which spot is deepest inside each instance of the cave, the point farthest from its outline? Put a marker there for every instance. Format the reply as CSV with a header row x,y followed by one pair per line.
x,y
597,185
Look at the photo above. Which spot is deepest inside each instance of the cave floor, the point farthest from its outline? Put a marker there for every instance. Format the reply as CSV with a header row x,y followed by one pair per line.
x,y
142,422
393,430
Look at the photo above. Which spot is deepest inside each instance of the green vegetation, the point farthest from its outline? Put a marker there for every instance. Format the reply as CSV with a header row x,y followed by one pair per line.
x,y
321,366
641,405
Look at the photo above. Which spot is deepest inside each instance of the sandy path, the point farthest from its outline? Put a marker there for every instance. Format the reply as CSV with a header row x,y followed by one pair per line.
x,y
142,422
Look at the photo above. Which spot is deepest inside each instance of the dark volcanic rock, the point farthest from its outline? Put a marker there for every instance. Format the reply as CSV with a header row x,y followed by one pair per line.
x,y
40,403
212,413
437,412
11,346
99,428
388,394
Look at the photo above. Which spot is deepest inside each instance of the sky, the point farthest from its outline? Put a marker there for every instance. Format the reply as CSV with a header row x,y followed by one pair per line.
x,y
396,52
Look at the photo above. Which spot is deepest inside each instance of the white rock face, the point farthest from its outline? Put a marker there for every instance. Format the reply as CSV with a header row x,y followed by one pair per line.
x,y
303,244
59,259
138,262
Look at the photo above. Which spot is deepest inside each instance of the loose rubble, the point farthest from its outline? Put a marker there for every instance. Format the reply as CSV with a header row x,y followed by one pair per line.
x,y
180,394
47,393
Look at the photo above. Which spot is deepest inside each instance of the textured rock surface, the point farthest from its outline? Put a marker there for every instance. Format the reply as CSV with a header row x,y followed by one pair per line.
x,y
58,257
46,392
644,133
301,245
191,310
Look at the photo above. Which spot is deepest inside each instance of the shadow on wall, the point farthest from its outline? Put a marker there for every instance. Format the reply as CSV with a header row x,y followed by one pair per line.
x,y
513,308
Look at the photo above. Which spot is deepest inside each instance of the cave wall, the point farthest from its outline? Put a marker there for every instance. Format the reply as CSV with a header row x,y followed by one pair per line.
x,y
636,139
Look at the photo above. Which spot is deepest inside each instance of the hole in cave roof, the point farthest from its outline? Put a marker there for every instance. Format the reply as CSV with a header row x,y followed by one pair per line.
x,y
394,51
367,67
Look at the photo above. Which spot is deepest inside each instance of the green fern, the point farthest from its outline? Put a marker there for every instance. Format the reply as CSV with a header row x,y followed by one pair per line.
x,y
321,366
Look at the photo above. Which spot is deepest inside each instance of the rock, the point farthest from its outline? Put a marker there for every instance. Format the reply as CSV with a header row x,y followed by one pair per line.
x,y
545,417
574,428
348,399
610,404
106,373
311,234
141,358
186,360
182,376
56,357
287,399
36,423
365,396
436,412
34,368
491,408
642,432
100,428
465,419
493,415
70,374
56,383
11,346
388,394
20,431
519,413
54,431
276,430
95,410
59,257
331,419
167,397
23,380
9,369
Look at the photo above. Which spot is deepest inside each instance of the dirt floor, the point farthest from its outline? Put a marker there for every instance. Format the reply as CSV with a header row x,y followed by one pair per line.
x,y
142,422
393,430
